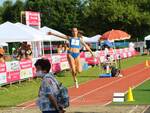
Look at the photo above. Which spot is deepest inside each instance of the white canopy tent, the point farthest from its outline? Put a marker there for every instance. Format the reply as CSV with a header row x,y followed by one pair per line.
x,y
10,32
42,32
3,44
147,37
94,39
52,38
45,30
31,30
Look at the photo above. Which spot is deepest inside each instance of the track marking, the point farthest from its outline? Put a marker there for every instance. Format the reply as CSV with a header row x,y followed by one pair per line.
x,y
132,88
26,102
132,110
105,85
28,106
145,109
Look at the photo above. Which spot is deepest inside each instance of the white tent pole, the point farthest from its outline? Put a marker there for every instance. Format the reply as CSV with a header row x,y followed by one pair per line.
x,y
43,48
51,48
115,54
33,52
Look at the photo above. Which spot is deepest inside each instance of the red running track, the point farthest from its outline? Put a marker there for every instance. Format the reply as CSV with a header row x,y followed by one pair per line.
x,y
100,91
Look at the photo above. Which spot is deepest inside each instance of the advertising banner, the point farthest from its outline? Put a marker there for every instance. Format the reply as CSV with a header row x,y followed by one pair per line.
x,y
3,79
56,59
26,69
12,66
13,71
2,67
33,18
25,64
13,76
25,73
64,65
56,67
63,57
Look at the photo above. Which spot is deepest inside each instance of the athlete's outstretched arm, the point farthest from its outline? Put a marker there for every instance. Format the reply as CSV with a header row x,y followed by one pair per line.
x,y
61,36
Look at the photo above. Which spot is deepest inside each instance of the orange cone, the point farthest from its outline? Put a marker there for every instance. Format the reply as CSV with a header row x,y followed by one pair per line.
x,y
146,63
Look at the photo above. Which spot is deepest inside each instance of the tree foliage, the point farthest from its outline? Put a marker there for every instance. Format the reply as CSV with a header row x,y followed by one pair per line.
x,y
92,16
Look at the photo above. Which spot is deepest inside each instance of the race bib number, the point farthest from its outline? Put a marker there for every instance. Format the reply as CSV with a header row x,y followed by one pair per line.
x,y
75,42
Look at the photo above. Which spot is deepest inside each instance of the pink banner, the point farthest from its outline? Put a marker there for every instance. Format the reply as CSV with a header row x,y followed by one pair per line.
x,y
13,76
2,67
25,64
3,79
33,18
63,57
56,67
92,61
82,55
15,70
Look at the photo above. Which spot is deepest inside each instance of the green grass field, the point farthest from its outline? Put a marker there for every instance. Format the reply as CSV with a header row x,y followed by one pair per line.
x,y
141,94
12,95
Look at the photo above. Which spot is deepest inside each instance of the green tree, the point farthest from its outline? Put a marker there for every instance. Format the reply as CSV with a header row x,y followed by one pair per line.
x,y
7,13
58,14
129,15
12,11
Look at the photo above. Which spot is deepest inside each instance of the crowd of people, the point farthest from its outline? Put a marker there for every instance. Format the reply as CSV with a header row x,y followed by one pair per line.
x,y
23,52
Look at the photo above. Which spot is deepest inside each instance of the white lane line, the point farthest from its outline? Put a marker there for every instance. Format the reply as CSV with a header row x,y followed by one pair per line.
x,y
28,106
132,110
27,102
145,109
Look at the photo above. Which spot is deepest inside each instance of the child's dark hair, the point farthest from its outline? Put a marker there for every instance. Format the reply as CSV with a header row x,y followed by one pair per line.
x,y
44,64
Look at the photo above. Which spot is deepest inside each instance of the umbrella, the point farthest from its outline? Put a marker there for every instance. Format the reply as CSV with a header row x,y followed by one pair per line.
x,y
115,35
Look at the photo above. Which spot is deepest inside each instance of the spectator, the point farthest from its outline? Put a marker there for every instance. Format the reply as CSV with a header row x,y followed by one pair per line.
x,y
14,53
66,48
2,54
29,52
59,49
22,51
48,90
